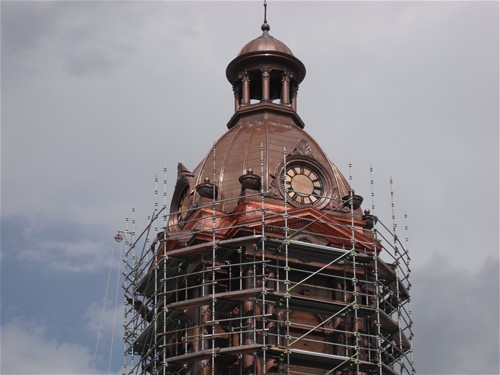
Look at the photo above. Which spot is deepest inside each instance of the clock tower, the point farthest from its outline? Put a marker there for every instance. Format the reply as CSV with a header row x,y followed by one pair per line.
x,y
267,263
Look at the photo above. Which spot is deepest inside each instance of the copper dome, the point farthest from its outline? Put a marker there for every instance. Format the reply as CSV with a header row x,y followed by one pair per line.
x,y
265,42
239,150
268,50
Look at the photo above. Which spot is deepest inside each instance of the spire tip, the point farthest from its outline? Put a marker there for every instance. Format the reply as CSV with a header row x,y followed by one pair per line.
x,y
265,12
265,26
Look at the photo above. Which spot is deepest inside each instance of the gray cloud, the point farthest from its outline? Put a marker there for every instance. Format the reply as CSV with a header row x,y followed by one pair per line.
x,y
98,96
456,317
25,25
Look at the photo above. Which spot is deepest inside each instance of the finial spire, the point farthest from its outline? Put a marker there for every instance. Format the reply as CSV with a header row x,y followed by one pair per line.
x,y
265,11
265,26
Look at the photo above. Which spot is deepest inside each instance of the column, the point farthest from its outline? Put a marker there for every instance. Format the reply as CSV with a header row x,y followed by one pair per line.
x,y
266,82
285,88
236,90
295,88
245,83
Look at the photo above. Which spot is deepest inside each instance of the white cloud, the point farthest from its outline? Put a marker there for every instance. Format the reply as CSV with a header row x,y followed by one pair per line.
x,y
108,319
27,350
106,322
77,255
59,245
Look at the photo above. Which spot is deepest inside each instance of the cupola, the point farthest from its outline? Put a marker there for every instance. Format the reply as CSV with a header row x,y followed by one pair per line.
x,y
265,72
265,76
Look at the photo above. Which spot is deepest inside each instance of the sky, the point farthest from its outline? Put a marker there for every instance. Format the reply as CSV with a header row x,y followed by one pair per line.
x,y
98,97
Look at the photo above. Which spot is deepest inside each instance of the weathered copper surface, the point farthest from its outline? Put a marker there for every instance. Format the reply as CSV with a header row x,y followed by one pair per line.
x,y
265,42
250,180
207,189
240,149
267,264
265,51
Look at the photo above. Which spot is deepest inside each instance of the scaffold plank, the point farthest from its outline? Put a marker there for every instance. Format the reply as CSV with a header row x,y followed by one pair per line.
x,y
318,253
205,300
314,304
204,354
301,357
208,245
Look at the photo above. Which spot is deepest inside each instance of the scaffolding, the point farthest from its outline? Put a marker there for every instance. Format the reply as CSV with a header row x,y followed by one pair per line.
x,y
266,289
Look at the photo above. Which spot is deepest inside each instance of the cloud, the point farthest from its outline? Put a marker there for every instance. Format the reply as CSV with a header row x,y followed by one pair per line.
x,y
26,26
28,350
56,245
106,322
76,38
99,85
98,96
79,255
456,317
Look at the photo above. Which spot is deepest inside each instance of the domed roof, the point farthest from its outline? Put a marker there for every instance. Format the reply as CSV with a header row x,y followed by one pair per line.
x,y
265,42
265,50
239,150
267,138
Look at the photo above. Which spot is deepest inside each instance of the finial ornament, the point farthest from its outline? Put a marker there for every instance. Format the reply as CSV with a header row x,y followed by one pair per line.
x,y
265,11
265,26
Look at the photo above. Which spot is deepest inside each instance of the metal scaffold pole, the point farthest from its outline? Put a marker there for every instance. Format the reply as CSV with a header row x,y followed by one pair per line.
x,y
397,264
155,314
264,270
164,281
410,324
356,356
214,257
376,277
310,291
287,268
125,304
133,284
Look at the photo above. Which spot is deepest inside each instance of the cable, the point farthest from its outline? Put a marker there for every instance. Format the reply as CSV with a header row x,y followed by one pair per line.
x,y
114,312
103,308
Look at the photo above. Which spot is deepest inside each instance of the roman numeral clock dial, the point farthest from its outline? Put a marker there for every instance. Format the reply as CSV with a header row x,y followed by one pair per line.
x,y
303,184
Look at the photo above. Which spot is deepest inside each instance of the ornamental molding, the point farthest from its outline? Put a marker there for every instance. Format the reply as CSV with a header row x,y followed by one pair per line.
x,y
302,149
182,171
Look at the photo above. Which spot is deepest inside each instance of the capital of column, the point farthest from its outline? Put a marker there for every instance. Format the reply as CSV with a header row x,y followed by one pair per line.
x,y
286,76
266,71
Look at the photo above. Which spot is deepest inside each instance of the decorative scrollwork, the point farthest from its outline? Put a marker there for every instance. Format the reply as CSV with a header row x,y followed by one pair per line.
x,y
302,149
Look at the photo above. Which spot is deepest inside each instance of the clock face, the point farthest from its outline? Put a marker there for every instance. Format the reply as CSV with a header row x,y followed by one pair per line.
x,y
303,184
